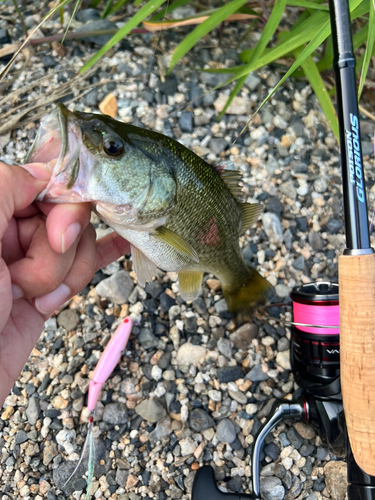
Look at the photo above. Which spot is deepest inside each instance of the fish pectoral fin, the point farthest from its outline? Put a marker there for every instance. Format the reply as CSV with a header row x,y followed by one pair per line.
x,y
250,214
144,268
189,283
171,238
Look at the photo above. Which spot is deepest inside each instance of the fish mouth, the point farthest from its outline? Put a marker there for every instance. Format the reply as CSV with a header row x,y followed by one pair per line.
x,y
58,146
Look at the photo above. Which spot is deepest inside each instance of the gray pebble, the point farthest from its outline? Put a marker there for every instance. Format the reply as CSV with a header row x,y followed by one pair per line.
x,y
200,420
272,227
48,62
306,450
85,15
154,289
100,24
299,263
229,374
225,347
320,185
271,488
272,450
164,361
226,432
283,439
252,81
235,484
147,338
221,306
322,453
367,148
68,319
294,438
256,374
91,98
33,411
21,437
217,146
162,429
334,225
274,205
115,413
283,344
117,288
315,241
151,410
185,122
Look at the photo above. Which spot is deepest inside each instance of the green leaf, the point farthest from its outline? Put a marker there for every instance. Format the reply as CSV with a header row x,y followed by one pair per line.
x,y
307,5
107,9
269,29
170,8
266,36
144,12
369,48
319,38
137,3
71,19
115,7
200,31
312,74
293,40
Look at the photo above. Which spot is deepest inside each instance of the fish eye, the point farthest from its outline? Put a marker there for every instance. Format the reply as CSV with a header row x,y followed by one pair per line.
x,y
112,146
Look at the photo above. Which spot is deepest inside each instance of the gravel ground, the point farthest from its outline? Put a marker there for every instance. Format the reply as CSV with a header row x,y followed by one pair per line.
x,y
193,387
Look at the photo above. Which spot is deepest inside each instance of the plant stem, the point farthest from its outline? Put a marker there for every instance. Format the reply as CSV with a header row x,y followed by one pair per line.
x,y
21,17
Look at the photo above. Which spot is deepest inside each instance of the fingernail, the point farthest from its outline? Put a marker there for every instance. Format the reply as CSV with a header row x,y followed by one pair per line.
x,y
48,303
69,236
38,171
16,292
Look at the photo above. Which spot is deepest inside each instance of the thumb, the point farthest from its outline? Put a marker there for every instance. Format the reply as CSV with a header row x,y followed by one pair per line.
x,y
19,187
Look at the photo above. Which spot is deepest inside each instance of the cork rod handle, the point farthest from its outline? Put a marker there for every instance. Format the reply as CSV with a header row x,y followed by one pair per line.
x,y
357,354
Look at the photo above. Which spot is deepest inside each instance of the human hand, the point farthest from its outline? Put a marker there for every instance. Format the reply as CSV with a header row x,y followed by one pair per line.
x,y
48,254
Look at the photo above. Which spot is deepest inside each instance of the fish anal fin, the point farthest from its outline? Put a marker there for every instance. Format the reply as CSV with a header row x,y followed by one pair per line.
x,y
144,268
250,214
171,238
189,284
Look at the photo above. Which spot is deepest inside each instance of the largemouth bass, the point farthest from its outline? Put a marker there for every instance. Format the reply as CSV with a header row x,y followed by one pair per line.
x,y
178,212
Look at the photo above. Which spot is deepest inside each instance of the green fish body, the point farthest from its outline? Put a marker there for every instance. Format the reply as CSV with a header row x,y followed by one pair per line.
x,y
178,212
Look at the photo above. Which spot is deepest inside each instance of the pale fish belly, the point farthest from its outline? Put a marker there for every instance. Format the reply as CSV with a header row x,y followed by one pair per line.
x,y
161,254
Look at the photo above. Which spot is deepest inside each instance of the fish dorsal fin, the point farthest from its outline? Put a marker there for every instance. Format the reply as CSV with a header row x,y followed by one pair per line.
x,y
250,214
189,283
231,179
144,268
171,238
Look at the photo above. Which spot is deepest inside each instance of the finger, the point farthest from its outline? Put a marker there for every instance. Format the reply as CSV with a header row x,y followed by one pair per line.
x,y
42,269
19,189
79,275
110,248
65,223
11,246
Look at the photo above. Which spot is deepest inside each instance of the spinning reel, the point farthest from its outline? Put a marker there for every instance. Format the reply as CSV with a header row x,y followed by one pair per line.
x,y
315,361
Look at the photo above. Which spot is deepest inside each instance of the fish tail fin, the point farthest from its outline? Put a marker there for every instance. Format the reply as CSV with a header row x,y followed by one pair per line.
x,y
244,295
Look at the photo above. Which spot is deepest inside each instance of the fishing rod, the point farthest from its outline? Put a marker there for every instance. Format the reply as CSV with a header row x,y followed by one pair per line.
x,y
334,367
357,264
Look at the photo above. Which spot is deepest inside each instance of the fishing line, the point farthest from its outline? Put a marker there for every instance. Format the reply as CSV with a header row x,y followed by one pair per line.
x,y
315,308
107,362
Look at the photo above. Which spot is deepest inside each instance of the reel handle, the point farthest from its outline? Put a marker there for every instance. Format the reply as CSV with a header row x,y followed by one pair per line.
x,y
205,488
357,354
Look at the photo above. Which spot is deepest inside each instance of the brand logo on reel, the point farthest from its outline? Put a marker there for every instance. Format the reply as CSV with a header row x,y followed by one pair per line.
x,y
354,157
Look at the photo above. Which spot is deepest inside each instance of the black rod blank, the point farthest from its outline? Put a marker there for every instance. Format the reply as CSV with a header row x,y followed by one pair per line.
x,y
354,191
